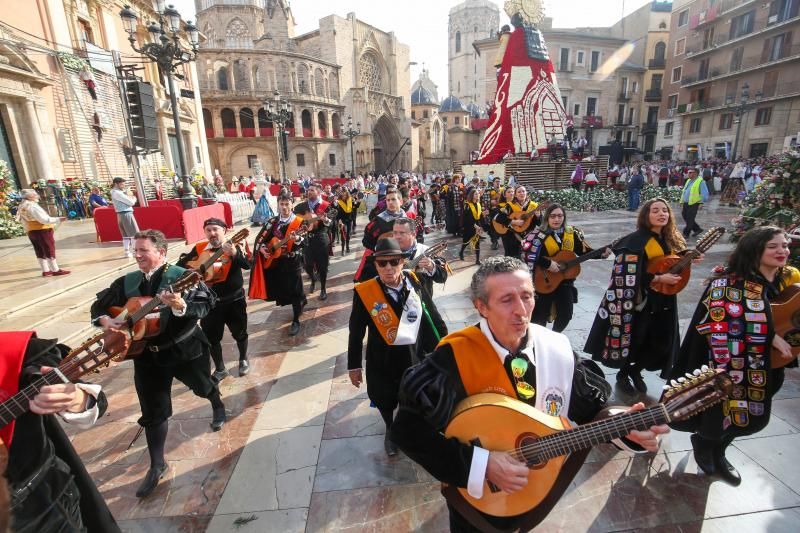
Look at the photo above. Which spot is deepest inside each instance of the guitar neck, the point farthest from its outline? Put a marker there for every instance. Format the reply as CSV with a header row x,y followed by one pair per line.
x,y
594,433
151,305
685,261
585,257
19,404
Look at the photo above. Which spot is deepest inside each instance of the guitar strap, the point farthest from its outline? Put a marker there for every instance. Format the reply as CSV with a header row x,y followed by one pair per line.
x,y
14,344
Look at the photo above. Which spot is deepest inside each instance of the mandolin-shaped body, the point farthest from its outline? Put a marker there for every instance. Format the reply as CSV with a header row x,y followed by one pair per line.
x,y
786,318
546,282
661,265
497,422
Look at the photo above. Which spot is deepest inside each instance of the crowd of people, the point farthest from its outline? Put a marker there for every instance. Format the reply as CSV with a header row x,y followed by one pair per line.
x,y
416,370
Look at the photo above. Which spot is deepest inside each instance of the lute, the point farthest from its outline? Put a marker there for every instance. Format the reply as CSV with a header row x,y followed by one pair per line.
x,y
543,442
681,265
786,319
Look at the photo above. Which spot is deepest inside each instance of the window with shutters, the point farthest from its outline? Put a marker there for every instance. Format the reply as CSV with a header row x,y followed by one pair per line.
x,y
251,161
777,47
595,61
680,46
763,116
770,85
672,101
683,18
668,129
332,159
676,74
742,25
301,160
695,125
726,121
731,90
736,59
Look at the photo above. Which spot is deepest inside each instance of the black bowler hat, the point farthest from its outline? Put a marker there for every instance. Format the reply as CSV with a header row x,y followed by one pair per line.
x,y
388,247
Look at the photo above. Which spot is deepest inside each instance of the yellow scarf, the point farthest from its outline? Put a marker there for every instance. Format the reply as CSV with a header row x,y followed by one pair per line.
x,y
347,207
476,210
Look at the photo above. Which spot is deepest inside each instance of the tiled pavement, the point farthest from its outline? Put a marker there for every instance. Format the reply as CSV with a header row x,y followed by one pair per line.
x,y
303,451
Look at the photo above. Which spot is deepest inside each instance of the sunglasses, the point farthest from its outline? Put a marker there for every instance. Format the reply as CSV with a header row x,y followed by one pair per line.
x,y
383,262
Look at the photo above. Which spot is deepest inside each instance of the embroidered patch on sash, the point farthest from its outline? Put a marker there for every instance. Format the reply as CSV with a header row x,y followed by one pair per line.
x,y
755,305
735,310
755,317
734,295
757,378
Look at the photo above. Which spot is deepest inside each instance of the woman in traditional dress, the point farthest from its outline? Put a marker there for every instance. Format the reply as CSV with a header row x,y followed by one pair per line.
x,y
636,327
520,204
732,329
538,247
472,225
346,212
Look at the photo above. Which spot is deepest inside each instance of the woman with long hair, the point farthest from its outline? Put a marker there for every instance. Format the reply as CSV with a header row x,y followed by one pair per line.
x,y
732,329
520,204
552,237
472,224
636,327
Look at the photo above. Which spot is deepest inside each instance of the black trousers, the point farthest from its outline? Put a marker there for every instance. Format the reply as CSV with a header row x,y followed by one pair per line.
x,y
689,214
232,314
53,507
315,256
511,245
563,298
154,384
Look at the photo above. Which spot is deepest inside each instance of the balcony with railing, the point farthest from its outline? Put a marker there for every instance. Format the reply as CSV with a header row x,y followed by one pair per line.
x,y
657,63
652,95
565,67
624,96
747,64
698,49
766,94
649,127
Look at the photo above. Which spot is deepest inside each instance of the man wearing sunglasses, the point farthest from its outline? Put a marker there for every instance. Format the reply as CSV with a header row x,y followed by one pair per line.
x,y
504,353
402,324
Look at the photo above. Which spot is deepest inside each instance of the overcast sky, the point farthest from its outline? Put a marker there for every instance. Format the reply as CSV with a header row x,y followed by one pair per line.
x,y
422,24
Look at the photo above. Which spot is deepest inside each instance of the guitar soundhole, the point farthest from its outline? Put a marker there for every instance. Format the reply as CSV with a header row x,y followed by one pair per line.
x,y
526,444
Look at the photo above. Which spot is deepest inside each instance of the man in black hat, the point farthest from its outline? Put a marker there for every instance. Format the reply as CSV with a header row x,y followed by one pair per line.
x,y
403,325
228,284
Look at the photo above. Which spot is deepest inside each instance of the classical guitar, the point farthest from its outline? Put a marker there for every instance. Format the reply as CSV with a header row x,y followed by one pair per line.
x,y
312,220
786,319
681,265
498,422
274,248
434,251
526,216
569,264
142,317
206,263
96,352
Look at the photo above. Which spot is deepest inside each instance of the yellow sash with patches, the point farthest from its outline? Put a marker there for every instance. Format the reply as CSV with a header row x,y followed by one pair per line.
x,y
567,242
382,314
653,249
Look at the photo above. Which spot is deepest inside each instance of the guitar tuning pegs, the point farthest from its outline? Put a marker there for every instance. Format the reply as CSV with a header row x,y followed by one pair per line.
x,y
704,368
689,376
697,372
681,380
673,383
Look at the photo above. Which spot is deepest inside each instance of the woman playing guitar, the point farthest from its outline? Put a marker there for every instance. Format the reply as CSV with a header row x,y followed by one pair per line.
x,y
518,215
539,246
733,328
636,327
346,212
472,224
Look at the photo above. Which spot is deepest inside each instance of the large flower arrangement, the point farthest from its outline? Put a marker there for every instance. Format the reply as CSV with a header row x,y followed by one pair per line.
x,y
603,198
775,201
9,226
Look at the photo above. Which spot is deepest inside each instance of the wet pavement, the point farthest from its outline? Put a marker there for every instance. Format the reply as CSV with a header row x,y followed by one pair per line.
x,y
303,449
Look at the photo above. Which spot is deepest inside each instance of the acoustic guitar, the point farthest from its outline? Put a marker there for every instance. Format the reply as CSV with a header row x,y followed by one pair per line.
x,y
206,263
681,265
90,356
498,422
526,216
141,316
569,264
274,248
786,319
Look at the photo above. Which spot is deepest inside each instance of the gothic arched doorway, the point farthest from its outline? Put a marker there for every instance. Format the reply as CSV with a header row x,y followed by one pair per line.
x,y
386,145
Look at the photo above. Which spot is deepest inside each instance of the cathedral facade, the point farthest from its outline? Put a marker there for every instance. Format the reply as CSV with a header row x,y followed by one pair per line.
x,y
345,69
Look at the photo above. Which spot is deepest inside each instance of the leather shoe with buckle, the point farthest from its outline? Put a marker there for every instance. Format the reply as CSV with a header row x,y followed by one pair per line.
x,y
389,446
294,329
323,295
218,418
703,455
638,382
726,470
244,367
150,481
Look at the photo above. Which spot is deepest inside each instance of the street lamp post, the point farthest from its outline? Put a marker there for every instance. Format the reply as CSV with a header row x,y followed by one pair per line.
x,y
278,112
740,110
350,133
168,53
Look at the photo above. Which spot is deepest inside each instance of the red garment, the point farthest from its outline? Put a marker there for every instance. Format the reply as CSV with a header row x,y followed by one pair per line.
x,y
242,187
12,351
535,113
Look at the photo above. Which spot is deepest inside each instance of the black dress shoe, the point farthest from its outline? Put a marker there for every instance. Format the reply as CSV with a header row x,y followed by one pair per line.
x,y
313,287
624,383
323,295
389,446
150,481
294,329
220,374
726,470
218,418
638,382
703,455
244,367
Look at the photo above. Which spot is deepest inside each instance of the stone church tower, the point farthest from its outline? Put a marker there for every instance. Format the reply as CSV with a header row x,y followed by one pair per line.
x,y
470,21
